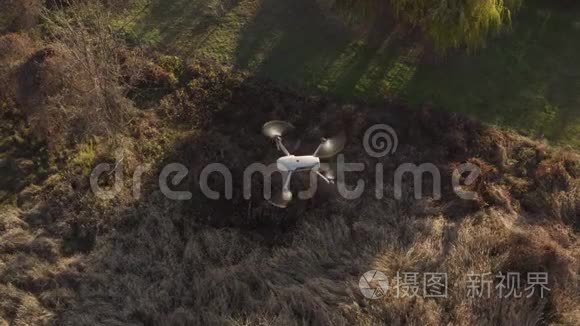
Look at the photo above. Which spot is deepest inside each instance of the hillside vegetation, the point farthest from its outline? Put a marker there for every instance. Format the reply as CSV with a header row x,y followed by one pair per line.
x,y
525,77
74,94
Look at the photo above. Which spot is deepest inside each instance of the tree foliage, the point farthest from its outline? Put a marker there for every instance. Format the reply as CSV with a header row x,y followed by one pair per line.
x,y
447,23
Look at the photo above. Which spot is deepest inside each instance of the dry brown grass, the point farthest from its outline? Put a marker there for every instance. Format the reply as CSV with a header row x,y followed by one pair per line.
x,y
14,49
17,15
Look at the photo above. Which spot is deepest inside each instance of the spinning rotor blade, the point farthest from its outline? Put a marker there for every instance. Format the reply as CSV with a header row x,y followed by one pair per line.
x,y
276,128
332,146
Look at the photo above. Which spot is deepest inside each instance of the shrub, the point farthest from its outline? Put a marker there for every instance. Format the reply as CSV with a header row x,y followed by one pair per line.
x,y
75,87
208,89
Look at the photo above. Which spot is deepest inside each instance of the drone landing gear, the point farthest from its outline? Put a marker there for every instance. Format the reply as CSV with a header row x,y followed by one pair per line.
x,y
284,197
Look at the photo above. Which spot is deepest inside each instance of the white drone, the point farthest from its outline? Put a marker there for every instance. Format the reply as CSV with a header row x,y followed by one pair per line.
x,y
289,163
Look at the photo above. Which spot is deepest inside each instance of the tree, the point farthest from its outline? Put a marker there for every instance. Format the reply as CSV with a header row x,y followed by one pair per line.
x,y
446,23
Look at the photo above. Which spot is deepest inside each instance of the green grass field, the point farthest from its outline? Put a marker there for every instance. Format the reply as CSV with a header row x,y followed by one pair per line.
x,y
528,78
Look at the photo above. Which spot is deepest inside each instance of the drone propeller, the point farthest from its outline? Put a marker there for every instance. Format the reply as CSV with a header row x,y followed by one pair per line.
x,y
276,128
331,146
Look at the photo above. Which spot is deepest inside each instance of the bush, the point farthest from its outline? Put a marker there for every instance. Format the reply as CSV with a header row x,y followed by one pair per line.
x,y
75,87
209,86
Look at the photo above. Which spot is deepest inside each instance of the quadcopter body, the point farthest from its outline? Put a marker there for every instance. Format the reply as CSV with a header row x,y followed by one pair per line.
x,y
298,163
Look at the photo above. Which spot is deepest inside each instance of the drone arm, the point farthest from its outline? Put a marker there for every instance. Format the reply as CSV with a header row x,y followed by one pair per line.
x,y
281,146
324,178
